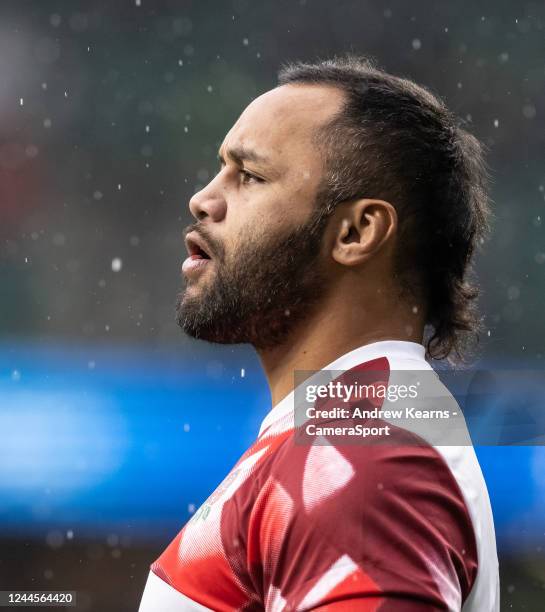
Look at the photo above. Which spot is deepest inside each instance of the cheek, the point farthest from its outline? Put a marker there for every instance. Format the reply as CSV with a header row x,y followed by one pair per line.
x,y
258,209
306,198
265,210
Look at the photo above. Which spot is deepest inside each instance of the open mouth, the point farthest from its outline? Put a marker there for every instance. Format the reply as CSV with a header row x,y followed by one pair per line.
x,y
196,247
199,255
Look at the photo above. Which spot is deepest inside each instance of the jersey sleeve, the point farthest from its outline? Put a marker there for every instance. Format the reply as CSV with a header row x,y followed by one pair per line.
x,y
367,527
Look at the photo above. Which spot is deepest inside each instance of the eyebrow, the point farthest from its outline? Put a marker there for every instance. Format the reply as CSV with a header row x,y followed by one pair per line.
x,y
241,154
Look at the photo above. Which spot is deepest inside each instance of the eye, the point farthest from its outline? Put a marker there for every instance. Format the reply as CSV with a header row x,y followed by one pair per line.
x,y
247,177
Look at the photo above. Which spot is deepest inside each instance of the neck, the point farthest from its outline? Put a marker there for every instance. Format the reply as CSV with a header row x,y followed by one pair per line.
x,y
336,328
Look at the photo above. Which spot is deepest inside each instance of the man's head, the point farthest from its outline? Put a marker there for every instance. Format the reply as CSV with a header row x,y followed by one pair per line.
x,y
354,173
259,222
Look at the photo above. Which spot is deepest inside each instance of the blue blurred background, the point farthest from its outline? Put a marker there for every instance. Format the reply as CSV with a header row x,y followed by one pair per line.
x,y
108,443
114,427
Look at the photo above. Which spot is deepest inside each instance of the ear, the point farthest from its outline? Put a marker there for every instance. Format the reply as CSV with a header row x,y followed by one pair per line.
x,y
361,228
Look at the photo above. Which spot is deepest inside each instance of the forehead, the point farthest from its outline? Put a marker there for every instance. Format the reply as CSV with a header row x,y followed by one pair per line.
x,y
280,123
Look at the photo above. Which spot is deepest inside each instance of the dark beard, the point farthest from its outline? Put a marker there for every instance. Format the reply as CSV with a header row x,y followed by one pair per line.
x,y
263,292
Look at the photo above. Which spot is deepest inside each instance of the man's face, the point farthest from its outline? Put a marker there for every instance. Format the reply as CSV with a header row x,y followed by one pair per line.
x,y
256,266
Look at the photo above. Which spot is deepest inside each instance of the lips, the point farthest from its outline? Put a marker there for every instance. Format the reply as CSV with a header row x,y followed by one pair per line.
x,y
197,247
194,265
199,255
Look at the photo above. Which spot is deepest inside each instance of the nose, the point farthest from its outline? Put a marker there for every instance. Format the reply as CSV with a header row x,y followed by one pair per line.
x,y
208,202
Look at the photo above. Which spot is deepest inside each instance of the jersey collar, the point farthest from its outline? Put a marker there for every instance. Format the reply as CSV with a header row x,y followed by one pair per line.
x,y
397,350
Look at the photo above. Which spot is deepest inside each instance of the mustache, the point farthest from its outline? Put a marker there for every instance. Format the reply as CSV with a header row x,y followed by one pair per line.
x,y
215,248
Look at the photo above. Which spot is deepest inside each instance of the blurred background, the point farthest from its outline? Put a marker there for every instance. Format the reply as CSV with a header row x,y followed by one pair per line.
x,y
114,426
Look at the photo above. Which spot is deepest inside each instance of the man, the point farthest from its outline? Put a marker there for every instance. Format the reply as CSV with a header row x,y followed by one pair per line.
x,y
337,235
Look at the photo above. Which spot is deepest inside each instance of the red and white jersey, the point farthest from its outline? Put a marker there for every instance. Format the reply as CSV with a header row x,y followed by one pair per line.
x,y
388,527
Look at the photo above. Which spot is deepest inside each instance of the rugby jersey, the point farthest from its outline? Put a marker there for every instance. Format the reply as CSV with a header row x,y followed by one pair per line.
x,y
374,527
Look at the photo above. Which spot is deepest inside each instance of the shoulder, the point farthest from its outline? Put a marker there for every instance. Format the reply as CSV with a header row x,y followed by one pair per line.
x,y
395,509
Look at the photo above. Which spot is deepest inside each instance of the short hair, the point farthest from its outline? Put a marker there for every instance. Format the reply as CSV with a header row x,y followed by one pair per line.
x,y
396,141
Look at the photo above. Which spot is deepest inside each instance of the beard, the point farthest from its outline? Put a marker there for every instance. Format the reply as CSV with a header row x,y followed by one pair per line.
x,y
261,294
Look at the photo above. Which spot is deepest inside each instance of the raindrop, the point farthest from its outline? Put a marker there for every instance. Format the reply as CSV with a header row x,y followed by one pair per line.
x,y
117,264
529,111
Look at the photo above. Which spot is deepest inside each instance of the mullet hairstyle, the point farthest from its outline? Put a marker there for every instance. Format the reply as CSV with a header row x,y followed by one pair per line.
x,y
394,140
